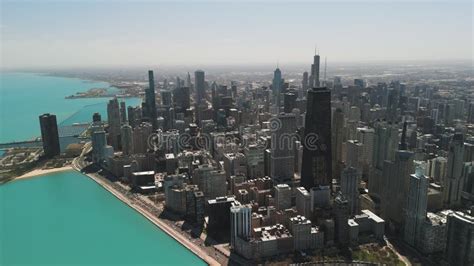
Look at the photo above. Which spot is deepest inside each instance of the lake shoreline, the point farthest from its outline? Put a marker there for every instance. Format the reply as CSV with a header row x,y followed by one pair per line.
x,y
40,172
153,219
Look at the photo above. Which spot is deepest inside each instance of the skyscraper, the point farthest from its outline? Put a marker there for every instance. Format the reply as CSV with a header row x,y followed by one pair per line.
x,y
396,176
337,140
416,206
276,86
385,143
150,100
282,141
314,78
304,84
188,83
96,118
350,179
453,181
49,135
240,222
181,99
200,86
113,116
123,112
317,164
99,144
460,238
127,139
289,102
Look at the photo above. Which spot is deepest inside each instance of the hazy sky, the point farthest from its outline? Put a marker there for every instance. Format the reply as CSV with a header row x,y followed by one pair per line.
x,y
118,33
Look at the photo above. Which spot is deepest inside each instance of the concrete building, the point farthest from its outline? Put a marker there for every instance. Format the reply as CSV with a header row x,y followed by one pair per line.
x,y
432,237
282,196
350,180
210,181
452,184
305,236
385,144
365,226
126,139
460,239
240,222
396,186
338,138
303,202
416,206
467,194
141,136
283,139
354,154
176,200
255,161
143,180
235,164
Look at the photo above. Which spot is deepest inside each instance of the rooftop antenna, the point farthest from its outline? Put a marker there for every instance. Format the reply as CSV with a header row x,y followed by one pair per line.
x,y
315,49
278,63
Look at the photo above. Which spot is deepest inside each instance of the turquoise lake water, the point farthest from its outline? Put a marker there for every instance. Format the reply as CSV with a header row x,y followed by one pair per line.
x,y
24,96
66,218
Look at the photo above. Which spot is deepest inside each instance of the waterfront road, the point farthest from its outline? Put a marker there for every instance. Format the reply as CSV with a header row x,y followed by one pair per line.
x,y
150,212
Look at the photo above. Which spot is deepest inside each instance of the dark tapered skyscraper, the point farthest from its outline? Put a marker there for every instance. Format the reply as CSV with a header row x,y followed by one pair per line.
x,y
276,86
316,166
150,100
200,86
314,78
49,135
113,119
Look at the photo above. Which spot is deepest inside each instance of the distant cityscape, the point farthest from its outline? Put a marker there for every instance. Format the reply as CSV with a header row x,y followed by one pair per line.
x,y
308,169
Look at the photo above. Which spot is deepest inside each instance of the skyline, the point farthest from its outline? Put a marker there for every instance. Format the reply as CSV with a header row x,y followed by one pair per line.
x,y
101,34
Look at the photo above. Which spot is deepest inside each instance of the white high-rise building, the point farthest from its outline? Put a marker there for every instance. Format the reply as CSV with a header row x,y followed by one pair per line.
x,y
240,222
416,206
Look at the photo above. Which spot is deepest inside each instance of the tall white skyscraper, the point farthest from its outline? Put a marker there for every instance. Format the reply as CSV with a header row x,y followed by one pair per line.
x,y
416,206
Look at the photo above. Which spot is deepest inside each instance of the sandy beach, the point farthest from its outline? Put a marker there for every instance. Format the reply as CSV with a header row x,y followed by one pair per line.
x,y
38,172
